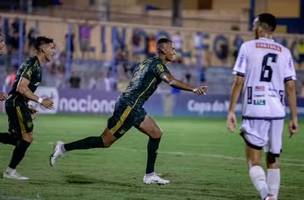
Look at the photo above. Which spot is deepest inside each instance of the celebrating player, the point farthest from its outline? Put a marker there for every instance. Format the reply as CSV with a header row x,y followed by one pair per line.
x,y
19,114
265,71
3,96
129,112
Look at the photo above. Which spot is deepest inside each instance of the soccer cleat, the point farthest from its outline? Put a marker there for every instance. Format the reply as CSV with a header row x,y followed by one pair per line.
x,y
58,152
12,174
269,198
153,178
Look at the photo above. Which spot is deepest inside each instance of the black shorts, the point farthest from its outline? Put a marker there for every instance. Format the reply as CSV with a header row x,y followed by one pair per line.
x,y
124,117
19,117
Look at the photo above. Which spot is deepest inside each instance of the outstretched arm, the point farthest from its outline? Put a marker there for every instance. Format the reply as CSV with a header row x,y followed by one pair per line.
x,y
236,91
173,82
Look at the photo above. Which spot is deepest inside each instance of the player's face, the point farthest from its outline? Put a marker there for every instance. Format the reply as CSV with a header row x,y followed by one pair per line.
x,y
49,51
2,45
169,51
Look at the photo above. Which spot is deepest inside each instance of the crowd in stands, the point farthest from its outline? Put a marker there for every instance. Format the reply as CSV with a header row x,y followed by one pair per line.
x,y
113,74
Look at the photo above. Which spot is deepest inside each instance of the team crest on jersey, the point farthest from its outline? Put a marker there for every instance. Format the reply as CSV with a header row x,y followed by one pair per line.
x,y
160,67
259,102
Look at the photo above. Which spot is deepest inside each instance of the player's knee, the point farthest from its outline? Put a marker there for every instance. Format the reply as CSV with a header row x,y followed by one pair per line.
x,y
156,134
254,162
272,161
107,142
28,137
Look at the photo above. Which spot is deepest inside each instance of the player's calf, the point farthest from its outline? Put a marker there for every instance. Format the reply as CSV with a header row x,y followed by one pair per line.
x,y
86,143
258,178
7,138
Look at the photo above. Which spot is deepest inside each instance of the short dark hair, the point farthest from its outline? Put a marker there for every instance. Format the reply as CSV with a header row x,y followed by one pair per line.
x,y
163,40
41,40
268,19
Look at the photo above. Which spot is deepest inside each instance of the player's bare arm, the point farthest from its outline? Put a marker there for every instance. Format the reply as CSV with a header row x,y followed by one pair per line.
x,y
173,82
290,89
235,93
3,96
23,89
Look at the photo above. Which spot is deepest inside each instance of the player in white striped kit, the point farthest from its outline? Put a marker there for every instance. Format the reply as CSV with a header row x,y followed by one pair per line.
x,y
264,72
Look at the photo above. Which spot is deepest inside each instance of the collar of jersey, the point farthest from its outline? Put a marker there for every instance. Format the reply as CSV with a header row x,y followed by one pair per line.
x,y
264,38
37,61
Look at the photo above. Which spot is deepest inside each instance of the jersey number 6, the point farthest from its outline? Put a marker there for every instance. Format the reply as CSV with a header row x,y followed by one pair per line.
x,y
268,61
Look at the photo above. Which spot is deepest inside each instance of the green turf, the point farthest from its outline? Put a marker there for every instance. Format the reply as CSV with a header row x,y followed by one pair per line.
x,y
202,160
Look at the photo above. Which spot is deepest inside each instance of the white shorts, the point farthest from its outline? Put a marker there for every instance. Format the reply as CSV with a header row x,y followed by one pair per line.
x,y
265,134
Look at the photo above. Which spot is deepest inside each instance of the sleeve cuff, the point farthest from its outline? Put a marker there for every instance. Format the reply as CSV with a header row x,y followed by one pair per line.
x,y
289,78
238,73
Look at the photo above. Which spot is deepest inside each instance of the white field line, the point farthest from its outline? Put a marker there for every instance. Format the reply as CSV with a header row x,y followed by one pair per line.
x,y
287,162
284,161
16,198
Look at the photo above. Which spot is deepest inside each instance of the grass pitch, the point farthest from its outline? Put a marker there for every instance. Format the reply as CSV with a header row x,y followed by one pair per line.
x,y
202,160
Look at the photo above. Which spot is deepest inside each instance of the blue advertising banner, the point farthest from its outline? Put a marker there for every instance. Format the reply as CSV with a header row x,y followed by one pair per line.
x,y
101,102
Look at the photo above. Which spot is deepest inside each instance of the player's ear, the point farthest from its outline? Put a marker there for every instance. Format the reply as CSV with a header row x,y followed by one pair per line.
x,y
41,50
161,51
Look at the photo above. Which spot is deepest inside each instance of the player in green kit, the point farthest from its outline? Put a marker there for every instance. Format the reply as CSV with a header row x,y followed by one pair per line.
x,y
20,133
3,96
129,110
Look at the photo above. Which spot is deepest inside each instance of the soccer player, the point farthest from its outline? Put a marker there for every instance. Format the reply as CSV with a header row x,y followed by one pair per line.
x,y
129,110
19,114
264,70
3,96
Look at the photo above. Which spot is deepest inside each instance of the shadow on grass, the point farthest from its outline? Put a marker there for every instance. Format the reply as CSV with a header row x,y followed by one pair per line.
x,y
81,179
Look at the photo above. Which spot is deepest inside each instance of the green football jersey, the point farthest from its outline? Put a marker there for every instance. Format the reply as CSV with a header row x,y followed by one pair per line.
x,y
144,82
30,70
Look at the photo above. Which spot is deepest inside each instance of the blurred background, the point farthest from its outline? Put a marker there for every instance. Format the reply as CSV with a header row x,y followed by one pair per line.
x,y
99,42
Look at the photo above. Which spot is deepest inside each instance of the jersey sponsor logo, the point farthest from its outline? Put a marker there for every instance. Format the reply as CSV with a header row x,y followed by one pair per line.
x,y
259,88
268,46
259,95
273,90
259,102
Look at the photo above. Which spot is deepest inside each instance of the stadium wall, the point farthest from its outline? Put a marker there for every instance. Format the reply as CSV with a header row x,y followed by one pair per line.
x,y
106,37
102,103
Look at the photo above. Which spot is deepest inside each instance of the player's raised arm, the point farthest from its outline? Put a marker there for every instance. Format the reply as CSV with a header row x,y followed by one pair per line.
x,y
168,78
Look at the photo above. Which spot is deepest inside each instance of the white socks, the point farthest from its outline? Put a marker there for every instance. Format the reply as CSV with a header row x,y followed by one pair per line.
x,y
10,170
273,181
258,178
